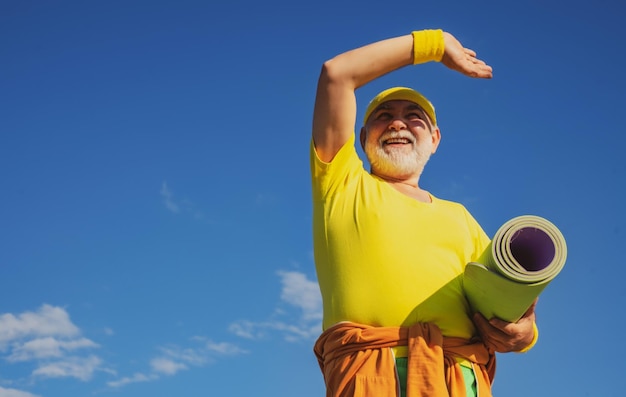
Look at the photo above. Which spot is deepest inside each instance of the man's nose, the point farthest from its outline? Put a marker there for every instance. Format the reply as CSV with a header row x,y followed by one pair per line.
x,y
397,124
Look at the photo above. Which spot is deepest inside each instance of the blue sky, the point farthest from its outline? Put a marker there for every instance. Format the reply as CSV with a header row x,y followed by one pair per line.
x,y
155,209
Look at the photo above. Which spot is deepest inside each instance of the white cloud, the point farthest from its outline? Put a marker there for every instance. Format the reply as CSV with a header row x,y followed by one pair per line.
x,y
303,293
47,348
166,366
225,348
292,331
136,378
299,292
173,359
296,332
75,367
48,339
168,199
179,205
15,393
246,329
189,356
47,321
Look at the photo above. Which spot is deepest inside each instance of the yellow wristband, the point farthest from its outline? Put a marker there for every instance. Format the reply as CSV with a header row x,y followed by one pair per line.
x,y
428,45
532,342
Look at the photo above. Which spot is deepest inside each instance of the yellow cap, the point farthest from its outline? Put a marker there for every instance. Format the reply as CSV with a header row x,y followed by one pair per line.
x,y
402,94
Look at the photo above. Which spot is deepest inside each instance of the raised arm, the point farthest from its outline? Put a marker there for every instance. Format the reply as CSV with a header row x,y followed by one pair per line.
x,y
334,115
335,110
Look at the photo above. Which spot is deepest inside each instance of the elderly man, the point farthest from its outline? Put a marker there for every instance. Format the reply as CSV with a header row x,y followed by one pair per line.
x,y
389,255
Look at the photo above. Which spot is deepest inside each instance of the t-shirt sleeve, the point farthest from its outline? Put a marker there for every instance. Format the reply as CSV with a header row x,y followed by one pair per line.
x,y
329,178
481,240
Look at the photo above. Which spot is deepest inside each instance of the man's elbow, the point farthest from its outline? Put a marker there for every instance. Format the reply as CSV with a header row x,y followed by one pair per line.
x,y
332,72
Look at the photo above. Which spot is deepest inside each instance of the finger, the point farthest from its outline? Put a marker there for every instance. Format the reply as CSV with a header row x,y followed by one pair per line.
x,y
480,320
470,52
498,323
484,71
479,73
475,68
477,61
486,329
493,343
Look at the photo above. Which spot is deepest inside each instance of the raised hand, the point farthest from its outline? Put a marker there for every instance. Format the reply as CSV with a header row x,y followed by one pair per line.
x,y
463,60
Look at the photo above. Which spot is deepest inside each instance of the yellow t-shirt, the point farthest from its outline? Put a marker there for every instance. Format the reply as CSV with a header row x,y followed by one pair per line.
x,y
385,259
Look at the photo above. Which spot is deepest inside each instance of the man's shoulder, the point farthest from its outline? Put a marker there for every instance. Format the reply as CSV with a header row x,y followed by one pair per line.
x,y
448,203
453,207
459,211
346,158
344,171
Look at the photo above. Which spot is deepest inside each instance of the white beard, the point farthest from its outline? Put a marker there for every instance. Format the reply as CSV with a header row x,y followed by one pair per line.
x,y
398,163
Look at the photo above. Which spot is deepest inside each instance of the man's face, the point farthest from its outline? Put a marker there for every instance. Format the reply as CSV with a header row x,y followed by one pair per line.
x,y
398,140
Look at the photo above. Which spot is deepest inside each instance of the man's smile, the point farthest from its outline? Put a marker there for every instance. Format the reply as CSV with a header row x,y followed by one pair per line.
x,y
397,141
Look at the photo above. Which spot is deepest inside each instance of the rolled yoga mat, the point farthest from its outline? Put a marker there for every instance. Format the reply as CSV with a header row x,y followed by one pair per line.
x,y
524,256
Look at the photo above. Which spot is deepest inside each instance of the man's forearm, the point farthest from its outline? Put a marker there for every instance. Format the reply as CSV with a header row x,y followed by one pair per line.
x,y
358,67
364,64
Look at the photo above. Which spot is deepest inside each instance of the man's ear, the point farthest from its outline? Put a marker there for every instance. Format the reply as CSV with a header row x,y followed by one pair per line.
x,y
436,137
362,137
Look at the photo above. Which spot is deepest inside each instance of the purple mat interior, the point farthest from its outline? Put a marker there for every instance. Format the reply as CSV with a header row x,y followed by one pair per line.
x,y
532,248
